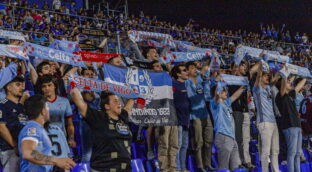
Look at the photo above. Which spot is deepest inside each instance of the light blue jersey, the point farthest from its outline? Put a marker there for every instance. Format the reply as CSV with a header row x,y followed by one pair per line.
x,y
60,147
35,132
195,93
222,116
263,101
59,110
299,98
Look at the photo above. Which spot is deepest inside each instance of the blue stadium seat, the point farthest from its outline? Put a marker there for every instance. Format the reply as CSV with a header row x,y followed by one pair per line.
x,y
192,163
138,150
253,147
283,168
240,170
258,169
306,154
305,167
255,157
152,166
223,170
214,160
137,165
81,167
214,149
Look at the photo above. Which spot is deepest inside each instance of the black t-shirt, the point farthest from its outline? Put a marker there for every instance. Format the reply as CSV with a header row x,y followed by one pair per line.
x,y
111,150
12,114
241,103
287,108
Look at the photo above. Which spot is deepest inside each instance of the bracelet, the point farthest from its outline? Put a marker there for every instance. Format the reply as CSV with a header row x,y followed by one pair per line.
x,y
71,139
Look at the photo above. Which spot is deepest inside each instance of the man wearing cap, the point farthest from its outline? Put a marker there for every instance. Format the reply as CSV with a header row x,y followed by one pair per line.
x,y
12,120
266,121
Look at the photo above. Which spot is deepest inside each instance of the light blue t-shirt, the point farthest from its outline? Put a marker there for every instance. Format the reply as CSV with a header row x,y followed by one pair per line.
x,y
60,147
59,110
263,100
299,98
195,93
222,116
35,132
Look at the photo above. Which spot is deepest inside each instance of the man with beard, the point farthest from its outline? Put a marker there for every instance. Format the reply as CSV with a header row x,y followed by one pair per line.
x,y
34,144
12,120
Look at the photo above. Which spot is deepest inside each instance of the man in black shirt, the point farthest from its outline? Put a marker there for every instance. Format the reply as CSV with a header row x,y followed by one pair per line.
x,y
12,120
242,118
111,150
290,121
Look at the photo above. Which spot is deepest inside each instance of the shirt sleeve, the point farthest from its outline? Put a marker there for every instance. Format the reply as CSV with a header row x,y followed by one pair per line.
x,y
124,116
31,133
68,109
228,102
93,117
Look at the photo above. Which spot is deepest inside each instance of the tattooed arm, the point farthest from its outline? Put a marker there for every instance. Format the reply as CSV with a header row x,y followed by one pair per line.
x,y
30,154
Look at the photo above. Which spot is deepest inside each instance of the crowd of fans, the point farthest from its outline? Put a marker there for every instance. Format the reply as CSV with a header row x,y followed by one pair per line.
x,y
94,127
69,22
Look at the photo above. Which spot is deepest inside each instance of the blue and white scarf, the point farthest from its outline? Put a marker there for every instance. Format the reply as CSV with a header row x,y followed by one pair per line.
x,y
137,36
182,56
53,55
89,84
68,46
12,35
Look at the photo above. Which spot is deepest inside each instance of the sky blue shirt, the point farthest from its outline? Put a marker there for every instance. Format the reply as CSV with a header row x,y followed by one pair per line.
x,y
59,110
35,132
263,101
60,147
195,93
299,98
223,119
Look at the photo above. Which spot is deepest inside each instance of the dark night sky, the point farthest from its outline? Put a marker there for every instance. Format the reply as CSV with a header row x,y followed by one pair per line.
x,y
230,14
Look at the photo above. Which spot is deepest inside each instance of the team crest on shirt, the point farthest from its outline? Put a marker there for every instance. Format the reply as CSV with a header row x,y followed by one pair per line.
x,y
122,128
32,132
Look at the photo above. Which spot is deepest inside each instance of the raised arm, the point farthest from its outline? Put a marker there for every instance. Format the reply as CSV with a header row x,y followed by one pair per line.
x,y
79,102
33,74
254,69
237,93
129,105
259,74
283,87
300,85
30,154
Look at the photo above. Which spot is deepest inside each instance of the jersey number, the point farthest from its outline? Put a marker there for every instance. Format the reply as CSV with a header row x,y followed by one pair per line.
x,y
58,145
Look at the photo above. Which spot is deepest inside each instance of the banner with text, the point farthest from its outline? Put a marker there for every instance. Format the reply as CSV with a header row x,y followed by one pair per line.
x,y
53,54
95,57
183,56
155,88
89,84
